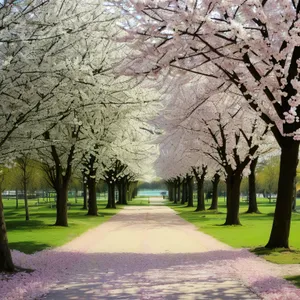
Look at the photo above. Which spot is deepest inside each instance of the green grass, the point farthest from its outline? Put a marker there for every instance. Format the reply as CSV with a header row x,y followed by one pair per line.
x,y
139,201
279,255
294,280
38,233
254,232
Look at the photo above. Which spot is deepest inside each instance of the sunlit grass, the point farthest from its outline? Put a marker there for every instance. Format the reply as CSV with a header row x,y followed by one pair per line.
x,y
254,232
38,233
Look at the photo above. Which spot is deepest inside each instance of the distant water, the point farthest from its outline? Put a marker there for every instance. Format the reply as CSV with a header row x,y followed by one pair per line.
x,y
151,192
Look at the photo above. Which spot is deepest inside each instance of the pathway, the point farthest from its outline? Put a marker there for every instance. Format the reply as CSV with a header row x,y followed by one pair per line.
x,y
148,252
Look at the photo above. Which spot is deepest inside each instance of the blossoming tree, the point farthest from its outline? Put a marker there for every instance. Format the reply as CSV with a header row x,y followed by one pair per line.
x,y
252,44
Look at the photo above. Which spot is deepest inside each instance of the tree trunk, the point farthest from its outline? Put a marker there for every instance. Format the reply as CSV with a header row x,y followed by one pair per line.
x,y
76,193
253,208
17,200
61,206
119,185
200,194
108,195
111,196
184,191
84,196
6,263
26,202
122,187
113,200
134,192
131,188
233,184
91,183
190,188
175,192
280,232
215,196
178,190
124,191
169,185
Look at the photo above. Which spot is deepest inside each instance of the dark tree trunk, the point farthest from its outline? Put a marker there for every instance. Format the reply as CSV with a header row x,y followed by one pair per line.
x,y
119,185
178,189
124,191
170,191
200,195
113,200
190,187
111,196
17,200
184,191
175,192
130,189
233,183
84,196
253,208
134,192
26,201
61,206
109,204
6,263
122,187
200,187
280,232
215,195
91,183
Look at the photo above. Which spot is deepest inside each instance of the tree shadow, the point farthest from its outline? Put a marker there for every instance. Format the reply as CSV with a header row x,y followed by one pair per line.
x,y
28,247
12,225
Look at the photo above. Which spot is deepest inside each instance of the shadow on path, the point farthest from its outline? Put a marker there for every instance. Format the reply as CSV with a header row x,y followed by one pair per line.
x,y
205,275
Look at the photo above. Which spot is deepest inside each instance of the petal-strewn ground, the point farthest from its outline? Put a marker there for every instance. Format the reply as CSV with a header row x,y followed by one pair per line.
x,y
147,253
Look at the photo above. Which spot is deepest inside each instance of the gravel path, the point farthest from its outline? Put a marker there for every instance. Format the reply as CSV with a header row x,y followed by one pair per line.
x,y
150,253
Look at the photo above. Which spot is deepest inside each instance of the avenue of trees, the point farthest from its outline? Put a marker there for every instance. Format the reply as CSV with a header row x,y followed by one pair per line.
x,y
248,46
62,107
219,79
216,139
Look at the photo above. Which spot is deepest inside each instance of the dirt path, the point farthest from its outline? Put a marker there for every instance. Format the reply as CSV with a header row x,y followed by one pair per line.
x,y
148,252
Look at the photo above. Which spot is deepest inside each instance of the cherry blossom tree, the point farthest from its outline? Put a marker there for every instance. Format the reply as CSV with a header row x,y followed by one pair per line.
x,y
252,44
19,102
231,136
57,161
53,65
222,130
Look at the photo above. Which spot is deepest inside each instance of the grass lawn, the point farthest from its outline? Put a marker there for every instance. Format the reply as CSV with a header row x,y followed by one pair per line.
x,y
253,233
139,201
294,280
38,234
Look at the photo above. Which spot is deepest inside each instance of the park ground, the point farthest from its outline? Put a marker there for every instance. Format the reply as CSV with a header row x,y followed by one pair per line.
x,y
32,237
